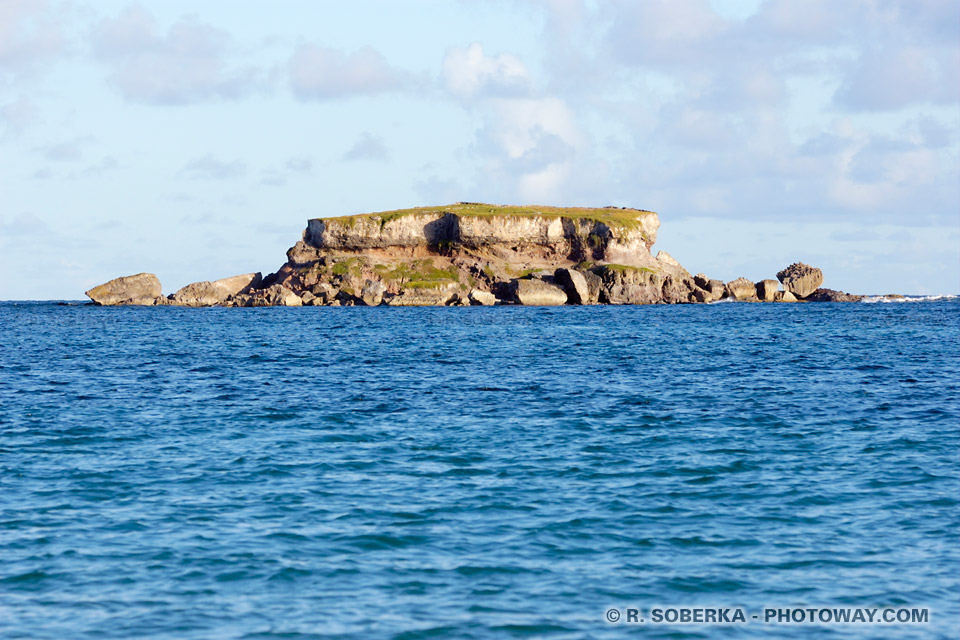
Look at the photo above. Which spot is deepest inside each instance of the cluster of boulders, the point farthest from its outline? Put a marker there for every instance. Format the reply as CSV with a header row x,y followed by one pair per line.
x,y
581,285
801,283
145,289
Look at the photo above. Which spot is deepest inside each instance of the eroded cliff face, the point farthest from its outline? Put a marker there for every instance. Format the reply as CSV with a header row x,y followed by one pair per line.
x,y
557,234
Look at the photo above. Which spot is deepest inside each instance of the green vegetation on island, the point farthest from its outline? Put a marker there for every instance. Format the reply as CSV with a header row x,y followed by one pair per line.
x,y
613,217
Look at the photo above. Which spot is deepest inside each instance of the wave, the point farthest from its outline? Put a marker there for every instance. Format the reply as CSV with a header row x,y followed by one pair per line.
x,y
899,298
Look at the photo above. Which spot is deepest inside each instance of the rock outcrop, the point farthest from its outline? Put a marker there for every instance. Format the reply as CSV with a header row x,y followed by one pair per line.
x,y
621,284
832,295
767,290
678,290
481,297
582,287
741,289
708,290
533,292
372,293
273,296
800,279
475,254
208,294
139,289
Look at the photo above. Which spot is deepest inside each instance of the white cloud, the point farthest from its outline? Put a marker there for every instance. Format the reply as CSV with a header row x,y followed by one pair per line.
x,y
896,77
519,124
187,64
321,73
807,21
29,34
468,73
704,107
663,31
528,147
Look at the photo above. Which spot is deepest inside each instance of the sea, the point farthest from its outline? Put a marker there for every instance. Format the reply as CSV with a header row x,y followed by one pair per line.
x,y
495,472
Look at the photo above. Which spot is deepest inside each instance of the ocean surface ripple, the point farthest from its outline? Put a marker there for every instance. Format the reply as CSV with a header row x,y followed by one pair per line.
x,y
474,473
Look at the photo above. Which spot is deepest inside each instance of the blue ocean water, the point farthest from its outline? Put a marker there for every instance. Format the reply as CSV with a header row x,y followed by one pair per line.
x,y
475,472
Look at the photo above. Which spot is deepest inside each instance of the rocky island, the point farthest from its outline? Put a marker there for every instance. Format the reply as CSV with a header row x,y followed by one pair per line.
x,y
475,254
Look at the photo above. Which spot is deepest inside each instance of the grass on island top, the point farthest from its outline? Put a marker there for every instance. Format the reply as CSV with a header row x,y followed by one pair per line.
x,y
610,216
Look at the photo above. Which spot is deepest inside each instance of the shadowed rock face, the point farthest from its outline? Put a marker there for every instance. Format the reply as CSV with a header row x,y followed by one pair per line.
x,y
582,287
767,290
139,289
482,298
708,290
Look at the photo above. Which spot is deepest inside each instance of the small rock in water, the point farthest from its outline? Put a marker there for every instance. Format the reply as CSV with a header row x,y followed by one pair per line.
x,y
208,294
372,293
139,289
767,290
480,297
801,279
741,289
831,295
538,293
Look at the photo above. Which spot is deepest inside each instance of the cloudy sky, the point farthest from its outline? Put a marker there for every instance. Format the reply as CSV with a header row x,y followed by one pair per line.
x,y
194,139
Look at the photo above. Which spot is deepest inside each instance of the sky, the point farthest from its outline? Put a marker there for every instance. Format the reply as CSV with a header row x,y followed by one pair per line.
x,y
194,139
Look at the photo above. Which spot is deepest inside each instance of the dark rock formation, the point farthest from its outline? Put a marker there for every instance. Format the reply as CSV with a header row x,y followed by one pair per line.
x,y
273,296
708,290
582,287
831,295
